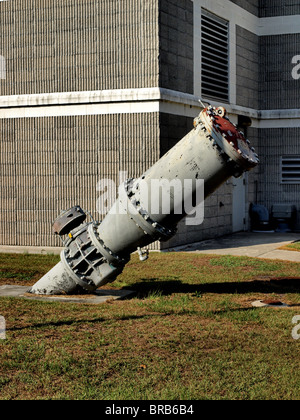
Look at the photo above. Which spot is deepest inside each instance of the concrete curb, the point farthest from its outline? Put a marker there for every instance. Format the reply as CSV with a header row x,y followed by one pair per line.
x,y
100,296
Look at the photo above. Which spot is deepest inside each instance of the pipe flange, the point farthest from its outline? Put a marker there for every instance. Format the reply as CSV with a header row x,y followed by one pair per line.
x,y
228,138
107,253
142,218
79,281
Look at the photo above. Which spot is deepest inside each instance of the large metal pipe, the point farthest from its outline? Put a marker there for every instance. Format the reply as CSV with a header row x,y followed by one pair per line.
x,y
96,253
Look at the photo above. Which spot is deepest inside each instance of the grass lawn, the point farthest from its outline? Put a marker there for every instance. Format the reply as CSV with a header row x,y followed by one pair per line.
x,y
295,246
190,333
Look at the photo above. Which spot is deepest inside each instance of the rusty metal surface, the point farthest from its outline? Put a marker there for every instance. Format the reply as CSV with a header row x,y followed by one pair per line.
x,y
228,137
68,220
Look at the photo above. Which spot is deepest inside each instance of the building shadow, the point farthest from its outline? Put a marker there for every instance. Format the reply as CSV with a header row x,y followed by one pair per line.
x,y
239,240
147,287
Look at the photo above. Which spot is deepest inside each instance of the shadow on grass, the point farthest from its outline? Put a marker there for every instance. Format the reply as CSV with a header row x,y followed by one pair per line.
x,y
93,321
64,323
154,287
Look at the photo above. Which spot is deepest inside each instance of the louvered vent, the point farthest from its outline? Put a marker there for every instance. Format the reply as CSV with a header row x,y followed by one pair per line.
x,y
215,56
290,169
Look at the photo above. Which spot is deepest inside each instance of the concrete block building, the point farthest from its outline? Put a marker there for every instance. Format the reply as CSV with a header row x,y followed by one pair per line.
x,y
92,88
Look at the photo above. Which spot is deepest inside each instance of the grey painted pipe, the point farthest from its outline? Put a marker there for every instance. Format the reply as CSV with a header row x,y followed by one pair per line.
x,y
96,253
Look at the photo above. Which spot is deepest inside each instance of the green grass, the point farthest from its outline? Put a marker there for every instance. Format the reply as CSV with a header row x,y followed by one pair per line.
x,y
190,333
295,246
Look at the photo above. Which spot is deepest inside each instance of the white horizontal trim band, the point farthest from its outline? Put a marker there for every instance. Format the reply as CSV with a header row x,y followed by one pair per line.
x,y
85,97
278,25
98,97
124,101
128,101
73,110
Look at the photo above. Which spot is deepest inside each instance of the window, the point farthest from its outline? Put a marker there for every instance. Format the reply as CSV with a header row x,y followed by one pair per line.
x,y
290,169
215,56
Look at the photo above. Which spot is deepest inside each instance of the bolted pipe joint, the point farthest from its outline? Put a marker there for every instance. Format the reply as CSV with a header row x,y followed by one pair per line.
x,y
96,253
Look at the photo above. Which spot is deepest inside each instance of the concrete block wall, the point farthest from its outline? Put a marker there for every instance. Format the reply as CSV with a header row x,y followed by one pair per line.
x,y
51,164
176,45
278,88
252,6
274,143
278,91
217,220
248,68
253,134
72,46
279,8
267,8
